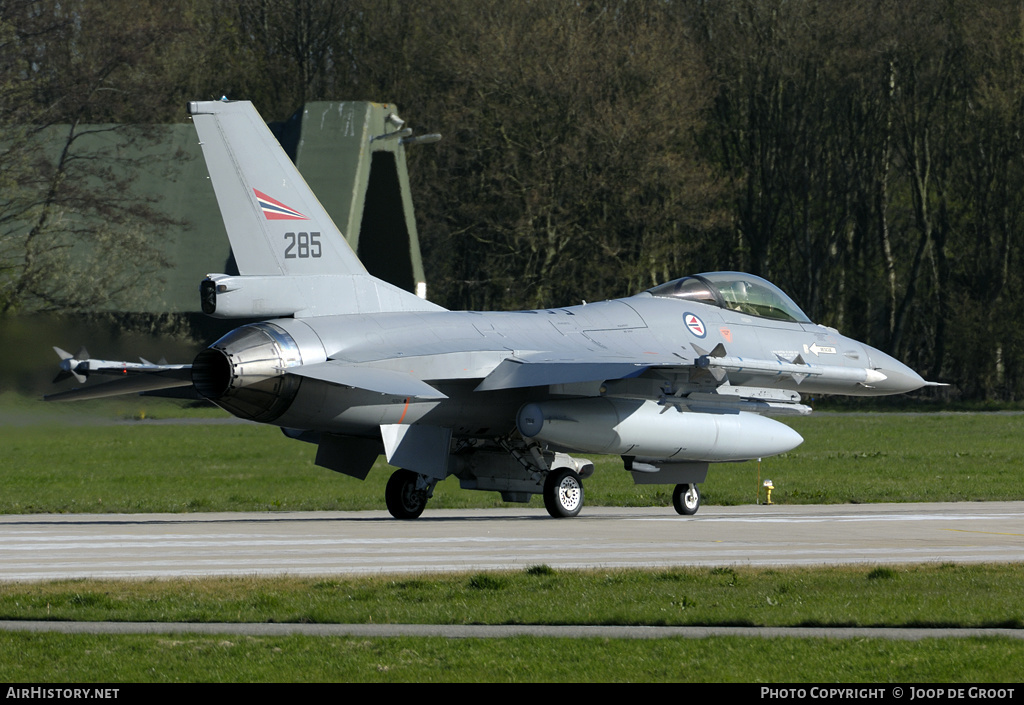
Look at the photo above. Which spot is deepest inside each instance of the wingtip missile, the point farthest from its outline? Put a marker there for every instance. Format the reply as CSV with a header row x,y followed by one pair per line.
x,y
81,367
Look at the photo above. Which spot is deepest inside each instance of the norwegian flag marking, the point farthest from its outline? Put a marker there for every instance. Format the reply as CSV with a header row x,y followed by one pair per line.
x,y
275,210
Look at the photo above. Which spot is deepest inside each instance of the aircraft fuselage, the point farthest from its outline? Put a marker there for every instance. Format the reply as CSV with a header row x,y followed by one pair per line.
x,y
453,350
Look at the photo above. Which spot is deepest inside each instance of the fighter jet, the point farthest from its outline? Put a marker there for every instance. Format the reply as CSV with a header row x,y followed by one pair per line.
x,y
672,379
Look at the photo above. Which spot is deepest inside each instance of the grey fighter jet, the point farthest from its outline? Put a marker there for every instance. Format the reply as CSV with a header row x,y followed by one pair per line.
x,y
672,379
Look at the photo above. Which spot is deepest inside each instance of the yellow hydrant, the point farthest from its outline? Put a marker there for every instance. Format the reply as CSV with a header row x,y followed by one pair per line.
x,y
769,487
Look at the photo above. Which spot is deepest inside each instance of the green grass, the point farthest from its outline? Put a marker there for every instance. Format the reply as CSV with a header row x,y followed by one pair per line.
x,y
904,458
86,467
910,596
49,658
902,596
20,410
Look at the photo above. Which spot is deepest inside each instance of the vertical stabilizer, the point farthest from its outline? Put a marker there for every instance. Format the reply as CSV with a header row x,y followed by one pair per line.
x,y
291,256
275,223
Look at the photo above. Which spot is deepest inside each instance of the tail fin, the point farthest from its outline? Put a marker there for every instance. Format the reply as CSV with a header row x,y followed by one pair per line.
x,y
277,227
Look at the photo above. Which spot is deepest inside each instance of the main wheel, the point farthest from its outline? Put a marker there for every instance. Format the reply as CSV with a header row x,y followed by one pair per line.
x,y
686,499
563,493
403,499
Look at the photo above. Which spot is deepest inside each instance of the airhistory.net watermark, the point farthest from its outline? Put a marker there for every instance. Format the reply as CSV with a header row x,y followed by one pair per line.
x,y
41,693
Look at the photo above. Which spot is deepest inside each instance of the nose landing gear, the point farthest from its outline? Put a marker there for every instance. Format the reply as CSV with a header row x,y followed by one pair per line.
x,y
686,499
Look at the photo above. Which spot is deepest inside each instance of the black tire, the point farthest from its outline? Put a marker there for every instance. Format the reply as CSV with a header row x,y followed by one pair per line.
x,y
563,493
686,499
404,501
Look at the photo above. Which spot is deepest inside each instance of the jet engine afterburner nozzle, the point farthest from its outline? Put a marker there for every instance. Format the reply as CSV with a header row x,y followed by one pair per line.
x,y
244,372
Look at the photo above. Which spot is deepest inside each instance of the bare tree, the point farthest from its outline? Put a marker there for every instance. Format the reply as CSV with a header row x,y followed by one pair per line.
x,y
72,234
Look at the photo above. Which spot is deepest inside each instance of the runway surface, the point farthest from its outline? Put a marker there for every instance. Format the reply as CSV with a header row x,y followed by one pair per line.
x,y
42,547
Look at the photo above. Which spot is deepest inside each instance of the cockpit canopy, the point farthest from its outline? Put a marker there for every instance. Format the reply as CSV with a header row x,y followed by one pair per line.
x,y
735,291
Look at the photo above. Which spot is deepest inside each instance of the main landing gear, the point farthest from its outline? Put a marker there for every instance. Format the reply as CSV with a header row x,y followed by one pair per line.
x,y
407,493
563,493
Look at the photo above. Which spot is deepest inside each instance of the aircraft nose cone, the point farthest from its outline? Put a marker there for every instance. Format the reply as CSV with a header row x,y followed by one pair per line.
x,y
899,379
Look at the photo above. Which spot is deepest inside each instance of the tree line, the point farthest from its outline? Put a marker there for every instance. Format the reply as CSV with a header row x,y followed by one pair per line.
x,y
865,156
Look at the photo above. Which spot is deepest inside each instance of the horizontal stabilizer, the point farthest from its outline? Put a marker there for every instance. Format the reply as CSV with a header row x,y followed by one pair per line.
x,y
368,378
133,384
513,374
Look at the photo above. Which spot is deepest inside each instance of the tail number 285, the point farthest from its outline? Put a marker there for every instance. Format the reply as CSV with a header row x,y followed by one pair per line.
x,y
302,245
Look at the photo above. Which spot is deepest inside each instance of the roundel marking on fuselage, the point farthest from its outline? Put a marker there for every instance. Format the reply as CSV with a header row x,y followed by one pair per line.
x,y
695,325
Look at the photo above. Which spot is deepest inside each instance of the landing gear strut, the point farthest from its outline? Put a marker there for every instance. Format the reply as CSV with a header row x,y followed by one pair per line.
x,y
686,499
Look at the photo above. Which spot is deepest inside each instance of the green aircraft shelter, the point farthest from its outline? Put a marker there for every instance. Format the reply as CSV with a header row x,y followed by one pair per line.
x,y
352,154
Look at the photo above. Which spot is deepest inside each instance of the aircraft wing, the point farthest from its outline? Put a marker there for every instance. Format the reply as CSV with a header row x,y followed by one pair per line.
x,y
540,369
714,368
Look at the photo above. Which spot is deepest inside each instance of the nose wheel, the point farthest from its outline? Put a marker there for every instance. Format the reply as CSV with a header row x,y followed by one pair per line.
x,y
686,499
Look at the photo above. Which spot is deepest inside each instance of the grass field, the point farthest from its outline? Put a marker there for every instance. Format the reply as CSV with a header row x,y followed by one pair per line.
x,y
78,462
55,658
861,596
892,596
84,466
900,596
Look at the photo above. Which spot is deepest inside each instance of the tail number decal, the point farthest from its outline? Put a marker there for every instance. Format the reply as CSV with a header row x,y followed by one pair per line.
x,y
302,245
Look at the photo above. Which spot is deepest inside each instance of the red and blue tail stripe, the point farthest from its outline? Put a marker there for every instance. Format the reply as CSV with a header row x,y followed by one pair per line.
x,y
275,210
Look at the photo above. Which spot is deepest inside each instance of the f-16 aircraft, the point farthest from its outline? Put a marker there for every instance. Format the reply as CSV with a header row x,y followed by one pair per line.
x,y
672,379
